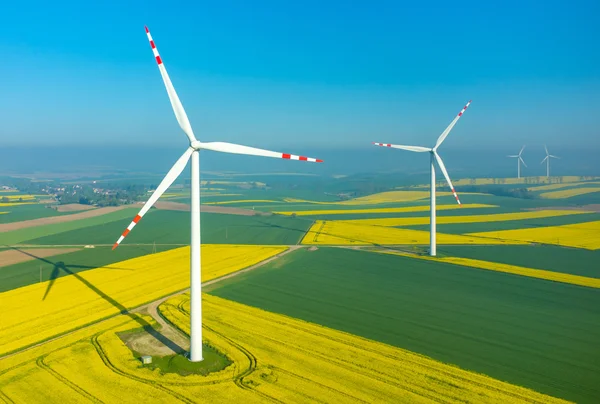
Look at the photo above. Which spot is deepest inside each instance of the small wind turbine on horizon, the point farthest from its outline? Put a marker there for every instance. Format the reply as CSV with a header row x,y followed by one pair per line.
x,y
519,161
547,160
434,156
192,152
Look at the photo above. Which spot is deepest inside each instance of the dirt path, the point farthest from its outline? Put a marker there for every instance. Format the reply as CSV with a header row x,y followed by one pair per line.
x,y
151,308
59,219
148,345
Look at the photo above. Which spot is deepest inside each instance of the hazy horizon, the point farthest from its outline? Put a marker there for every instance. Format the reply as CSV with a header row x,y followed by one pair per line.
x,y
371,159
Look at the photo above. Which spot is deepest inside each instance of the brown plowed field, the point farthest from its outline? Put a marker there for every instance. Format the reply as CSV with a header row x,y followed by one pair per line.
x,y
10,257
59,219
73,207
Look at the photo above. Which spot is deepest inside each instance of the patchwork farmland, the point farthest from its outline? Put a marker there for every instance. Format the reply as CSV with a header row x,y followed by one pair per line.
x,y
309,298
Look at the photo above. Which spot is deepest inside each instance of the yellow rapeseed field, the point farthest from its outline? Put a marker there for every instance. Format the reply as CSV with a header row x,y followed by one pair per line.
x,y
3,204
167,195
206,194
510,269
242,201
17,197
334,232
32,383
423,208
567,193
498,217
275,358
304,362
80,299
580,235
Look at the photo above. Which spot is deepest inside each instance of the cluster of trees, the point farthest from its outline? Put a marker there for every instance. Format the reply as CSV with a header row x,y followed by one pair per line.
x,y
4,199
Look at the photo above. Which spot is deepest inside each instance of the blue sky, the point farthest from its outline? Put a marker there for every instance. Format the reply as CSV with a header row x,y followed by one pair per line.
x,y
302,74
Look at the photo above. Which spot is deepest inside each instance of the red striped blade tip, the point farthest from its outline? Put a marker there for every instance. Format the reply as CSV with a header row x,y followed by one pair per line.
x,y
319,161
115,246
146,29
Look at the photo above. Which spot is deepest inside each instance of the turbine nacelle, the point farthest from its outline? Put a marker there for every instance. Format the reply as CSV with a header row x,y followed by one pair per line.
x,y
433,150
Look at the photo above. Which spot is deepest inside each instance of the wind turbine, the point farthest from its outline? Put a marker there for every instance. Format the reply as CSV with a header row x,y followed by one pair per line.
x,y
519,161
192,152
547,160
434,156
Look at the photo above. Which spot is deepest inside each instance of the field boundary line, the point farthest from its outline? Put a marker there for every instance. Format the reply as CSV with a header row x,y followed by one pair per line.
x,y
299,242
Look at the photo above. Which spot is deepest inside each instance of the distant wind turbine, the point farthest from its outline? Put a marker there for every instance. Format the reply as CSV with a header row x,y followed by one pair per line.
x,y
434,156
192,153
519,161
547,160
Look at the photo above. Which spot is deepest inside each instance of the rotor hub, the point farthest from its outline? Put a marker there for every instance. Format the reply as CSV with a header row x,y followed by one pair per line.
x,y
195,144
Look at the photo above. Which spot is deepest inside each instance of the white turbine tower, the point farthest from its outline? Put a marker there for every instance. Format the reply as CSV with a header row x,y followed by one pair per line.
x,y
547,160
192,153
519,161
434,156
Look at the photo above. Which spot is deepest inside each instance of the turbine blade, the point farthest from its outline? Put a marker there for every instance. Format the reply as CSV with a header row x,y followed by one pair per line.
x,y
521,152
522,161
418,149
175,103
443,168
162,187
449,128
516,155
546,148
545,158
252,151
555,157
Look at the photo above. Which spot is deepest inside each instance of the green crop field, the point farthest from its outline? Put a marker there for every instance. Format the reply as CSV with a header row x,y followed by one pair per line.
x,y
464,228
530,332
552,258
26,212
173,227
19,236
591,198
26,273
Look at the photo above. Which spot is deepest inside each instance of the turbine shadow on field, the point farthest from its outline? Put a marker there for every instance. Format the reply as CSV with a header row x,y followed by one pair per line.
x,y
147,327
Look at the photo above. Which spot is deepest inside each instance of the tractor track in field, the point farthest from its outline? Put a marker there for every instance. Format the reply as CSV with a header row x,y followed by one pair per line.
x,y
152,307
